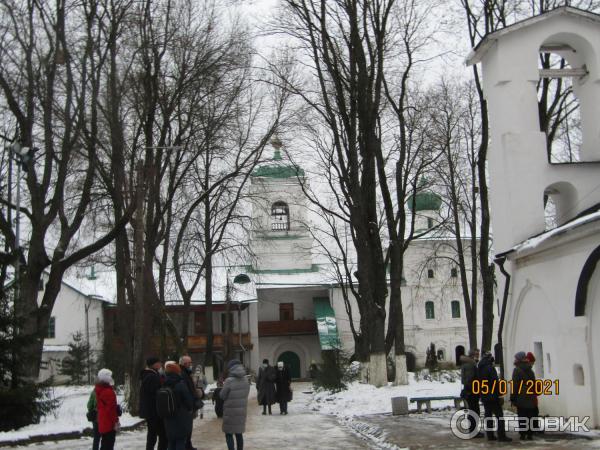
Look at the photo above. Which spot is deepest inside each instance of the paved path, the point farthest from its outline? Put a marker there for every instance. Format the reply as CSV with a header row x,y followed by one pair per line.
x,y
301,429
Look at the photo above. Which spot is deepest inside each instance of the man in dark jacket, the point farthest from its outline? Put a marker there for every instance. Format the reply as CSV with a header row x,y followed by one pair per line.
x,y
185,362
149,385
492,402
468,373
283,385
523,380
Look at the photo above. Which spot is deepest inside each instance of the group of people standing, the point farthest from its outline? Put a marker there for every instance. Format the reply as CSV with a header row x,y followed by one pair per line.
x,y
484,373
274,386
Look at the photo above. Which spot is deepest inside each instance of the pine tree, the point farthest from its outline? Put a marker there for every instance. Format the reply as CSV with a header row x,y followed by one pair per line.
x,y
23,401
431,361
76,363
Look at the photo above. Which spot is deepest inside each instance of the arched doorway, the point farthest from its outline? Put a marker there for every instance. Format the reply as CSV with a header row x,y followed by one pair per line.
x,y
459,351
411,362
292,362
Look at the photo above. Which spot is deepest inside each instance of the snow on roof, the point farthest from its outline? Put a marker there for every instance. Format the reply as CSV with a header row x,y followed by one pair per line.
x,y
536,241
56,348
101,286
476,54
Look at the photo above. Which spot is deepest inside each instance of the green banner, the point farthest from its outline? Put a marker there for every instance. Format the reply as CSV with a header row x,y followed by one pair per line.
x,y
326,324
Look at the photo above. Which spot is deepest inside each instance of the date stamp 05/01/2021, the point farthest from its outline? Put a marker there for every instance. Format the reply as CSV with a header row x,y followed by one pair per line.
x,y
524,387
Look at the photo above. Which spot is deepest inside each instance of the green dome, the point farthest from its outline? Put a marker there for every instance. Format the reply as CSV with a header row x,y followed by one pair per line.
x,y
425,201
278,169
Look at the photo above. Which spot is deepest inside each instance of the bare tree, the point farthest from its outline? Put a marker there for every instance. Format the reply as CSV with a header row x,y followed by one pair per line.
x,y
50,80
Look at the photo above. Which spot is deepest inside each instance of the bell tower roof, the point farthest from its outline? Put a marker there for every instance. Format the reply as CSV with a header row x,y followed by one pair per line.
x,y
278,167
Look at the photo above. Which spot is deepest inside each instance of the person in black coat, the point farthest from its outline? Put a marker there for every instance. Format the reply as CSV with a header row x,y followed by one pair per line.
x,y
265,385
150,383
283,388
492,402
468,373
178,426
217,400
522,396
185,363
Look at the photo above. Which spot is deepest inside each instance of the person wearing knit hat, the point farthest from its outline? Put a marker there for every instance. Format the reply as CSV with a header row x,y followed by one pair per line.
x,y
536,410
106,405
150,383
179,425
522,397
235,404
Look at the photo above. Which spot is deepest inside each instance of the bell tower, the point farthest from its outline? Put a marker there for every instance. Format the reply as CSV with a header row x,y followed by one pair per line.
x,y
280,239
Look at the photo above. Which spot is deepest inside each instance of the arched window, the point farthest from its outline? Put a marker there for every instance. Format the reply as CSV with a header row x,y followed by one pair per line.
x,y
280,216
429,310
441,354
455,305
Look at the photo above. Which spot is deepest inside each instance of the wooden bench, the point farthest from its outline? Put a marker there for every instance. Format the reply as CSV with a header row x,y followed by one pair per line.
x,y
427,401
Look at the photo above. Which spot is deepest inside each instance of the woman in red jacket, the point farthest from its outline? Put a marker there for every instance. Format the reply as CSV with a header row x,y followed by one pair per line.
x,y
106,400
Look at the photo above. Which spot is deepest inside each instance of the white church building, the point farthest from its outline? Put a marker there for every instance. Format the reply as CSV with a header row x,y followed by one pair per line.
x,y
299,300
553,302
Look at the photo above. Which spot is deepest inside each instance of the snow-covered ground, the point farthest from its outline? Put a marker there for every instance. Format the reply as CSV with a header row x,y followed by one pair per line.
x,y
69,417
363,399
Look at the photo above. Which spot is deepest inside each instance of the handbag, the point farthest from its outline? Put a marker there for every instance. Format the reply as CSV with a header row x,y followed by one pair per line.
x,y
91,415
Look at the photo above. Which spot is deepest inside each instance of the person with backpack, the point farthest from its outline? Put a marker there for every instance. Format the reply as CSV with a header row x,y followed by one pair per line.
x,y
150,383
175,404
186,366
265,385
235,407
106,405
92,416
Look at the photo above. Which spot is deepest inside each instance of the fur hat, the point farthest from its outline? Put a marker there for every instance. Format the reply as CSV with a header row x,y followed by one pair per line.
x,y
105,376
520,357
280,364
265,361
172,367
151,360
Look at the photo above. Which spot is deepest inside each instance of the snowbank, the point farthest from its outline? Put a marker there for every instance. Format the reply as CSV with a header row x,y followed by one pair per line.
x,y
69,417
362,399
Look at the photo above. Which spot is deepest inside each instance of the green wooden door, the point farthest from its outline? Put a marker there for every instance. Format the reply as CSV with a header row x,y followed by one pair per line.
x,y
292,362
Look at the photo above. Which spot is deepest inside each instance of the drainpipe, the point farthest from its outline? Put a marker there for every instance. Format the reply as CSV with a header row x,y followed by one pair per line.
x,y
500,262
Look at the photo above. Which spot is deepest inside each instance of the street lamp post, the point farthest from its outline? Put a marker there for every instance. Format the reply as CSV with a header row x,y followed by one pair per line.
x,y
23,156
241,278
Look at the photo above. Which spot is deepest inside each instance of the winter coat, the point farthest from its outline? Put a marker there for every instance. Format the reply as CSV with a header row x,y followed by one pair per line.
x,y
91,405
106,402
149,385
265,385
282,383
179,426
235,395
487,372
523,379
468,373
191,385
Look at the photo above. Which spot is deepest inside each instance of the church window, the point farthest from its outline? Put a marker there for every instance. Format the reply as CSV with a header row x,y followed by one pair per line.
x,y
455,305
286,311
430,273
280,216
51,328
429,222
441,356
429,310
453,272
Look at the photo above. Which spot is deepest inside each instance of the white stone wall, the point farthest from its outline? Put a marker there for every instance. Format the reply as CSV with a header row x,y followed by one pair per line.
x,y
542,310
